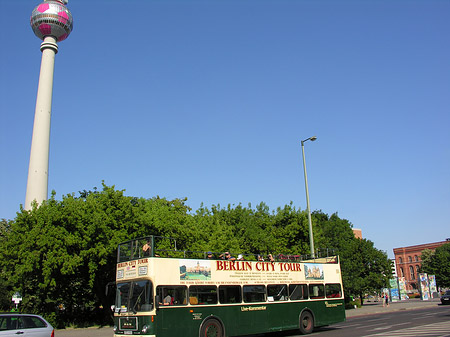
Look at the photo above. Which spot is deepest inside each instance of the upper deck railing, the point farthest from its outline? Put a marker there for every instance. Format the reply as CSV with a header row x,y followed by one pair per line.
x,y
158,246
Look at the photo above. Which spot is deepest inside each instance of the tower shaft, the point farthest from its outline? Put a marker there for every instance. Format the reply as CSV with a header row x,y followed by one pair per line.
x,y
37,184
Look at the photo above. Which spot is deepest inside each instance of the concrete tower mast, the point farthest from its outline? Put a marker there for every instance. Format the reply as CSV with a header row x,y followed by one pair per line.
x,y
52,22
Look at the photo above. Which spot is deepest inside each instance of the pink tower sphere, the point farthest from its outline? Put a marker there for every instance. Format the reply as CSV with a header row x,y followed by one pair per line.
x,y
52,18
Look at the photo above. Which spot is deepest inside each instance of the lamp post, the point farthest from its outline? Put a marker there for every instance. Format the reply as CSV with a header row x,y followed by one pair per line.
x,y
311,238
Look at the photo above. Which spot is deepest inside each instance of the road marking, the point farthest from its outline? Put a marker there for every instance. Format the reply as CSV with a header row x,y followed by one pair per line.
x,y
383,327
346,325
440,329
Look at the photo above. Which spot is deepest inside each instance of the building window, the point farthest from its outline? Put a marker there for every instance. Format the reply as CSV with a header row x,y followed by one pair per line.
x,y
400,260
411,272
409,259
416,258
401,272
417,270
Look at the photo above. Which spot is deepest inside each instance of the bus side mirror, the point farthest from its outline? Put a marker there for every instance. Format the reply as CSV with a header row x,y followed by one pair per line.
x,y
157,301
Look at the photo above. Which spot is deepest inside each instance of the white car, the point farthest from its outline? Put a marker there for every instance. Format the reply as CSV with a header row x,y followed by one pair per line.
x,y
17,324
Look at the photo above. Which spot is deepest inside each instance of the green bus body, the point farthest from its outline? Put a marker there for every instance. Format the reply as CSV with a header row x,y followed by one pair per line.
x,y
180,321
150,317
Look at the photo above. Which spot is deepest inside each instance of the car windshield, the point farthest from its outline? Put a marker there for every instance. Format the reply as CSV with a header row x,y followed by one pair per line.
x,y
134,296
447,292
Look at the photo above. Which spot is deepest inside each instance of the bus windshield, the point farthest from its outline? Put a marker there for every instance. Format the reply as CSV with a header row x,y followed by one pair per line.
x,y
134,296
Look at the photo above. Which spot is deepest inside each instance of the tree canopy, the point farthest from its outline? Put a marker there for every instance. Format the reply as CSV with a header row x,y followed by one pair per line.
x,y
438,263
365,269
61,255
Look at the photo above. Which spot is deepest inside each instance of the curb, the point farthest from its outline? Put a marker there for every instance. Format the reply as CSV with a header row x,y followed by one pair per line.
x,y
374,309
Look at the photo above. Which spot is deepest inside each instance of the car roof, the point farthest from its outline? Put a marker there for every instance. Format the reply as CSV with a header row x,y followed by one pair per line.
x,y
18,314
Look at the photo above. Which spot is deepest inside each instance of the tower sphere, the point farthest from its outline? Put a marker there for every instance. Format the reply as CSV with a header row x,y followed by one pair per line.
x,y
52,18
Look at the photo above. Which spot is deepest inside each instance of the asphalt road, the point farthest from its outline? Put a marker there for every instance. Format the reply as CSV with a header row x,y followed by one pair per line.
x,y
433,321
88,332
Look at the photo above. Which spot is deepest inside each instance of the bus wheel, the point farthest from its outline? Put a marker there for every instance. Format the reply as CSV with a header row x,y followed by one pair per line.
x,y
306,323
211,328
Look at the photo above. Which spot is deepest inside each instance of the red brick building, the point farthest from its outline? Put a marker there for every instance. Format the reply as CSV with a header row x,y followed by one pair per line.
x,y
408,262
357,233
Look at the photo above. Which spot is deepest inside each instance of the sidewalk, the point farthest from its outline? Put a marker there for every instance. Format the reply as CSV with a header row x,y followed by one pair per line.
x,y
370,308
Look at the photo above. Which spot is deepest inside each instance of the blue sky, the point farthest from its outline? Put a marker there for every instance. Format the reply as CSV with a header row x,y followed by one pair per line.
x,y
210,99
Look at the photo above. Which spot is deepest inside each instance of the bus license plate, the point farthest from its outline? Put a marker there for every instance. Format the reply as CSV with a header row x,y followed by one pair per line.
x,y
128,332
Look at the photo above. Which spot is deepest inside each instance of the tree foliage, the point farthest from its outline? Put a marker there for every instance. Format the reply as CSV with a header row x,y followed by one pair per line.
x,y
438,263
61,255
365,269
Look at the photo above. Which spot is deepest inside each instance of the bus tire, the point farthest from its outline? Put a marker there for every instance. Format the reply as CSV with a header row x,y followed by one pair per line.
x,y
306,322
212,328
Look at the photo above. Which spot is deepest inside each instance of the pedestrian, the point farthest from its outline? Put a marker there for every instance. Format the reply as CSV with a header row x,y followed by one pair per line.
x,y
387,300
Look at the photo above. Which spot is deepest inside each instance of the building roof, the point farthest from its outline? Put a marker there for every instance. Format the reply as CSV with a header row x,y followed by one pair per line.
x,y
420,247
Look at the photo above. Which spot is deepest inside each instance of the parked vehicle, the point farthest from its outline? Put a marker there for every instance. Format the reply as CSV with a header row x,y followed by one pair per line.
x,y
14,323
445,299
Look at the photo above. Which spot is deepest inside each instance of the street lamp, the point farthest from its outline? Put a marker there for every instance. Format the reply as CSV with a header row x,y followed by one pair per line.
x,y
311,239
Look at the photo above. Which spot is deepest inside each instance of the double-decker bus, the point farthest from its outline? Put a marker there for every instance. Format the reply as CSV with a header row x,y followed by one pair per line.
x,y
165,292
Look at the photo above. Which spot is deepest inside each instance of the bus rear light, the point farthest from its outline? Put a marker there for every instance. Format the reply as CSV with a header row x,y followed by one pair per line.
x,y
153,319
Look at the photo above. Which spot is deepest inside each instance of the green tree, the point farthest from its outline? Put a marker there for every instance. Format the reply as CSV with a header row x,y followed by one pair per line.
x,y
252,231
438,263
5,225
333,233
290,231
5,293
367,270
62,254
426,257
364,268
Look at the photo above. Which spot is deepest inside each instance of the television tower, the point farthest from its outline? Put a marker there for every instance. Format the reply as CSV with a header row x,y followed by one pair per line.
x,y
52,22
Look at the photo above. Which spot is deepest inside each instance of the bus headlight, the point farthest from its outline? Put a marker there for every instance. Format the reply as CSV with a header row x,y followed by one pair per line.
x,y
115,328
144,329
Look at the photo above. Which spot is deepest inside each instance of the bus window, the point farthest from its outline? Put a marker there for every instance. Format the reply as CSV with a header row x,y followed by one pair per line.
x,y
230,294
203,294
122,295
172,295
277,292
134,296
333,290
298,292
316,291
254,294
